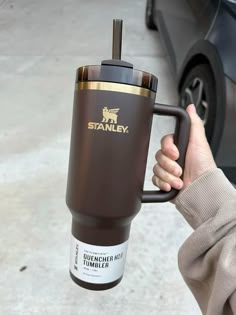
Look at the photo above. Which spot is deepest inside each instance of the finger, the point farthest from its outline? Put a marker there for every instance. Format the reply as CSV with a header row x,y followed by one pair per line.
x,y
166,177
197,127
169,165
169,148
160,184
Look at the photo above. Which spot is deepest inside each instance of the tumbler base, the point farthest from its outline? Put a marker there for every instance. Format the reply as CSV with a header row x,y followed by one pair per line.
x,y
95,286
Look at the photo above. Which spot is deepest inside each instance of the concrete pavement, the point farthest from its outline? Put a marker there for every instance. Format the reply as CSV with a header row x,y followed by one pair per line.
x,y
41,45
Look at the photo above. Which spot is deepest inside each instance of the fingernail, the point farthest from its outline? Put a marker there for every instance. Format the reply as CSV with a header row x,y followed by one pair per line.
x,y
174,149
167,187
192,108
178,184
178,172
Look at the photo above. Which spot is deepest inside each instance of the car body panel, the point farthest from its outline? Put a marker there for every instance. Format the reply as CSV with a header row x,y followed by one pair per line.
x,y
192,30
225,41
226,153
178,21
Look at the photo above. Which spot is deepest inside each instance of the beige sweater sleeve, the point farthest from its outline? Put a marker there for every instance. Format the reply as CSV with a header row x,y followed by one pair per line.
x,y
207,259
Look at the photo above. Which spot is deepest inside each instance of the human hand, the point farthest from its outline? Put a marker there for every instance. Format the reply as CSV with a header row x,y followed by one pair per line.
x,y
199,158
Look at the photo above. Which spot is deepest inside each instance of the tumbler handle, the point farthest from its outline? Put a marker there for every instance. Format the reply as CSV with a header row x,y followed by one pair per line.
x,y
181,139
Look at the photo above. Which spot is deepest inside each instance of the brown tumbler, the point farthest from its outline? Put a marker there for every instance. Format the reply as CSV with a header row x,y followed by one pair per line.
x,y
112,119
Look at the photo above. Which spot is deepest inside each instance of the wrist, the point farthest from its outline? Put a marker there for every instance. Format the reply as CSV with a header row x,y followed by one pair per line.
x,y
192,176
203,197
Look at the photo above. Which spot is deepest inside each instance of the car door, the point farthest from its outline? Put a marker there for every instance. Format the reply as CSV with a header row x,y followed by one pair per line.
x,y
182,23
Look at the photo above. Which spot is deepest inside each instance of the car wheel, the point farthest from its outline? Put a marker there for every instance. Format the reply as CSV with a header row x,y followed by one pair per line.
x,y
149,20
198,88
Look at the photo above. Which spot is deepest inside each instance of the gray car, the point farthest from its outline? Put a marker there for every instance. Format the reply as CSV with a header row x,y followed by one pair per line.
x,y
200,41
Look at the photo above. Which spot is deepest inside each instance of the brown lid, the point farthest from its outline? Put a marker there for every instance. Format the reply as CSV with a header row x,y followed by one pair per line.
x,y
118,74
116,70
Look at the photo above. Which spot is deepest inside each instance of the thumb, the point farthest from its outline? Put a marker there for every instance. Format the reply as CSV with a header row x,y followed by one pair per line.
x,y
197,132
199,157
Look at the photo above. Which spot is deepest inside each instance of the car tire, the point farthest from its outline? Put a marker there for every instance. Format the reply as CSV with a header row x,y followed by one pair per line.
x,y
199,88
149,19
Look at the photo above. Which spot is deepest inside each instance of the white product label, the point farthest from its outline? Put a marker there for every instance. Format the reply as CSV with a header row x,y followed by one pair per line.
x,y
97,264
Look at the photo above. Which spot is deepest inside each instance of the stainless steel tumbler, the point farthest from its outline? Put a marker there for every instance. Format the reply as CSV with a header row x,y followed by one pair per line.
x,y
113,110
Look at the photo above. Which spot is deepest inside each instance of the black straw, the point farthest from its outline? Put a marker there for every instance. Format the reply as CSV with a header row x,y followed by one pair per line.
x,y
117,39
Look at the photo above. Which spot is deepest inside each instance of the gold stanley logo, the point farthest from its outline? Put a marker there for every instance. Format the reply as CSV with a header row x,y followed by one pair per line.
x,y
109,122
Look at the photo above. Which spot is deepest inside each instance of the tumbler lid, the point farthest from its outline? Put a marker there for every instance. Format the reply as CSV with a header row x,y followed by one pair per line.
x,y
117,74
116,70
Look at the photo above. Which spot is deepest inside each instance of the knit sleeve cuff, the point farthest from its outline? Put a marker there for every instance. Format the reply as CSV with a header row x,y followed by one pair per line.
x,y
202,199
